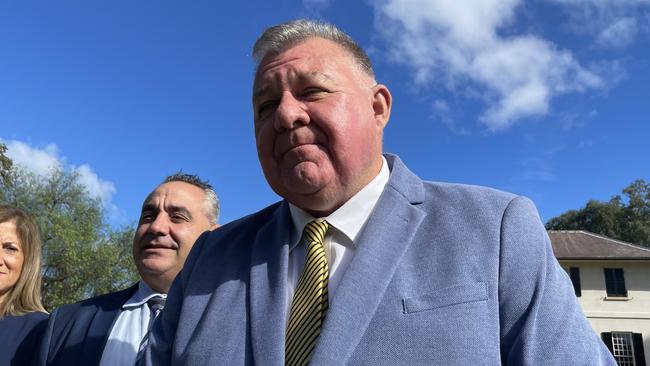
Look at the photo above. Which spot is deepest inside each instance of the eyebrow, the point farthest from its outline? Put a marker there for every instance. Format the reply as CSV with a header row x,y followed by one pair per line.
x,y
302,77
171,208
149,207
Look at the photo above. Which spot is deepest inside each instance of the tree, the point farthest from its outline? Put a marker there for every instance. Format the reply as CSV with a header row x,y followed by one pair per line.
x,y
5,166
82,255
625,218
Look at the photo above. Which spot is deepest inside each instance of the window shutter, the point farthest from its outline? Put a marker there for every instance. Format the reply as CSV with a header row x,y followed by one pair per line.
x,y
607,339
639,355
574,273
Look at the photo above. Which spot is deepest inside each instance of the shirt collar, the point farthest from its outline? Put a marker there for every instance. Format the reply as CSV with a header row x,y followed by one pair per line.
x,y
141,296
350,218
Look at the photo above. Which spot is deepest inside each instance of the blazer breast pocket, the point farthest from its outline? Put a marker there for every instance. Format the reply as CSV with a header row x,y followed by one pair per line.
x,y
448,296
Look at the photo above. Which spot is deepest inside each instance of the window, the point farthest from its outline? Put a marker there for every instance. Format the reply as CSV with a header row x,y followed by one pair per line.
x,y
574,273
615,282
627,347
622,348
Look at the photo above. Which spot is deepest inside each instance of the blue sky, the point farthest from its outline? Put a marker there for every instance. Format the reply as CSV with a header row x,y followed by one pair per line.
x,y
547,99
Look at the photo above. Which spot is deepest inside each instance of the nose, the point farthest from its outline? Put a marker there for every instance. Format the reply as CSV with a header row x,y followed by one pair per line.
x,y
160,226
290,113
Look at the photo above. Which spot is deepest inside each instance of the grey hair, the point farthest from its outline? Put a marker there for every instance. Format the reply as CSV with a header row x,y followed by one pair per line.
x,y
212,206
279,38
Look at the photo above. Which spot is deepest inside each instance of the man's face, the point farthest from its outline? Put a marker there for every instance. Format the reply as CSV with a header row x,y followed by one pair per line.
x,y
318,125
173,216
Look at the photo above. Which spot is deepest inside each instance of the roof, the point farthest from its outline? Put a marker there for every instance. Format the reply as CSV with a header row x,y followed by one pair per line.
x,y
585,245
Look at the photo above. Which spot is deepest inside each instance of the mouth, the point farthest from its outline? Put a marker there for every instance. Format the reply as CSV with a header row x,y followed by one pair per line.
x,y
150,247
300,152
283,150
297,141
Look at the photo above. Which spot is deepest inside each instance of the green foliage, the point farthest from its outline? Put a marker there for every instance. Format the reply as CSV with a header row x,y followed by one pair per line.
x,y
625,218
82,256
5,166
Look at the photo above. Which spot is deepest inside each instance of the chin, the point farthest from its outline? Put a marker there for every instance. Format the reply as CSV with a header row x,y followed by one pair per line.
x,y
151,265
319,204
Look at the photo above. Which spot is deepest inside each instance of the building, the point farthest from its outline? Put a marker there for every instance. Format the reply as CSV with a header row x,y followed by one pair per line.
x,y
611,278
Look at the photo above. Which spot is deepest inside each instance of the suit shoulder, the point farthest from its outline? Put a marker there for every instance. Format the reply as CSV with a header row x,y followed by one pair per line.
x,y
466,192
475,204
247,226
256,219
36,317
106,300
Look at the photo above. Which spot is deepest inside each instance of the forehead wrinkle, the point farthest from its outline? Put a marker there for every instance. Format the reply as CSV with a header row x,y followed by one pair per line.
x,y
317,75
151,206
293,76
266,86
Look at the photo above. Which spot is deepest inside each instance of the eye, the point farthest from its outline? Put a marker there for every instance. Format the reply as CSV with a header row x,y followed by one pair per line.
x,y
10,247
147,217
312,92
266,107
178,218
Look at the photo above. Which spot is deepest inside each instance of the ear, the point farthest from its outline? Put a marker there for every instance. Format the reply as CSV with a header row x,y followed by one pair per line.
x,y
381,104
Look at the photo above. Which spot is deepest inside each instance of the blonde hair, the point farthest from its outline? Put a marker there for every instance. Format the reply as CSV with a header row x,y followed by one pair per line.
x,y
25,296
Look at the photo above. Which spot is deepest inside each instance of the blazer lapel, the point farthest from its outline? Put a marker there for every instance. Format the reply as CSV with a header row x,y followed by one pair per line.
x,y
100,327
386,237
268,288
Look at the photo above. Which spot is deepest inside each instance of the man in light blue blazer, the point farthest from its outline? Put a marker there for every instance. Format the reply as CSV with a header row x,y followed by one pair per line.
x,y
395,271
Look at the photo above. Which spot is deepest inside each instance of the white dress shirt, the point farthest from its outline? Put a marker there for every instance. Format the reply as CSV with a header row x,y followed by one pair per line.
x,y
345,225
129,328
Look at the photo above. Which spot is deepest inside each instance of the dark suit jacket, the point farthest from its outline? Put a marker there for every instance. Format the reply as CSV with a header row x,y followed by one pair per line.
x,y
76,333
443,274
19,336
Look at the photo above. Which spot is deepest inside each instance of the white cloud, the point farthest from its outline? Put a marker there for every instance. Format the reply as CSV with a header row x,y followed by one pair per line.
x,y
38,161
443,114
604,3
41,161
96,186
613,23
460,42
618,34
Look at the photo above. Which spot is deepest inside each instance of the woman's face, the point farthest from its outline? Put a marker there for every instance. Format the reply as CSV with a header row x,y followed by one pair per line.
x,y
11,257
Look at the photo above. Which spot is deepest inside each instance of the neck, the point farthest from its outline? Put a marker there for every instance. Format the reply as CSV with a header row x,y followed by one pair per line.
x,y
160,286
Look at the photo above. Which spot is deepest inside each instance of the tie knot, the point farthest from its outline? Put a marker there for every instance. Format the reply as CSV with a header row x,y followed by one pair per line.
x,y
156,304
315,231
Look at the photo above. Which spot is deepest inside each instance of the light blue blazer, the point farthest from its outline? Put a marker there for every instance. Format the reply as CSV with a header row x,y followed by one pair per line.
x,y
443,274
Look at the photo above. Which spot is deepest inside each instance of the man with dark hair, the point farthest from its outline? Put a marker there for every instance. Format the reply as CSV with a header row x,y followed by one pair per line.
x,y
112,329
363,263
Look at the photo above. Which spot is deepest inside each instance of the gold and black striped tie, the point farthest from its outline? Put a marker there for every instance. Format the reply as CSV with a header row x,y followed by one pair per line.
x,y
310,299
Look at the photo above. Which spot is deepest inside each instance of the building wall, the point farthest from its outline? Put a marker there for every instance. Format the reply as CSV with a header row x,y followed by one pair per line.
x,y
630,314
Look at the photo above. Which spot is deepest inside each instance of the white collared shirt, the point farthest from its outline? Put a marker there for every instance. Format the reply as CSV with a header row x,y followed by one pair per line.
x,y
345,225
129,328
